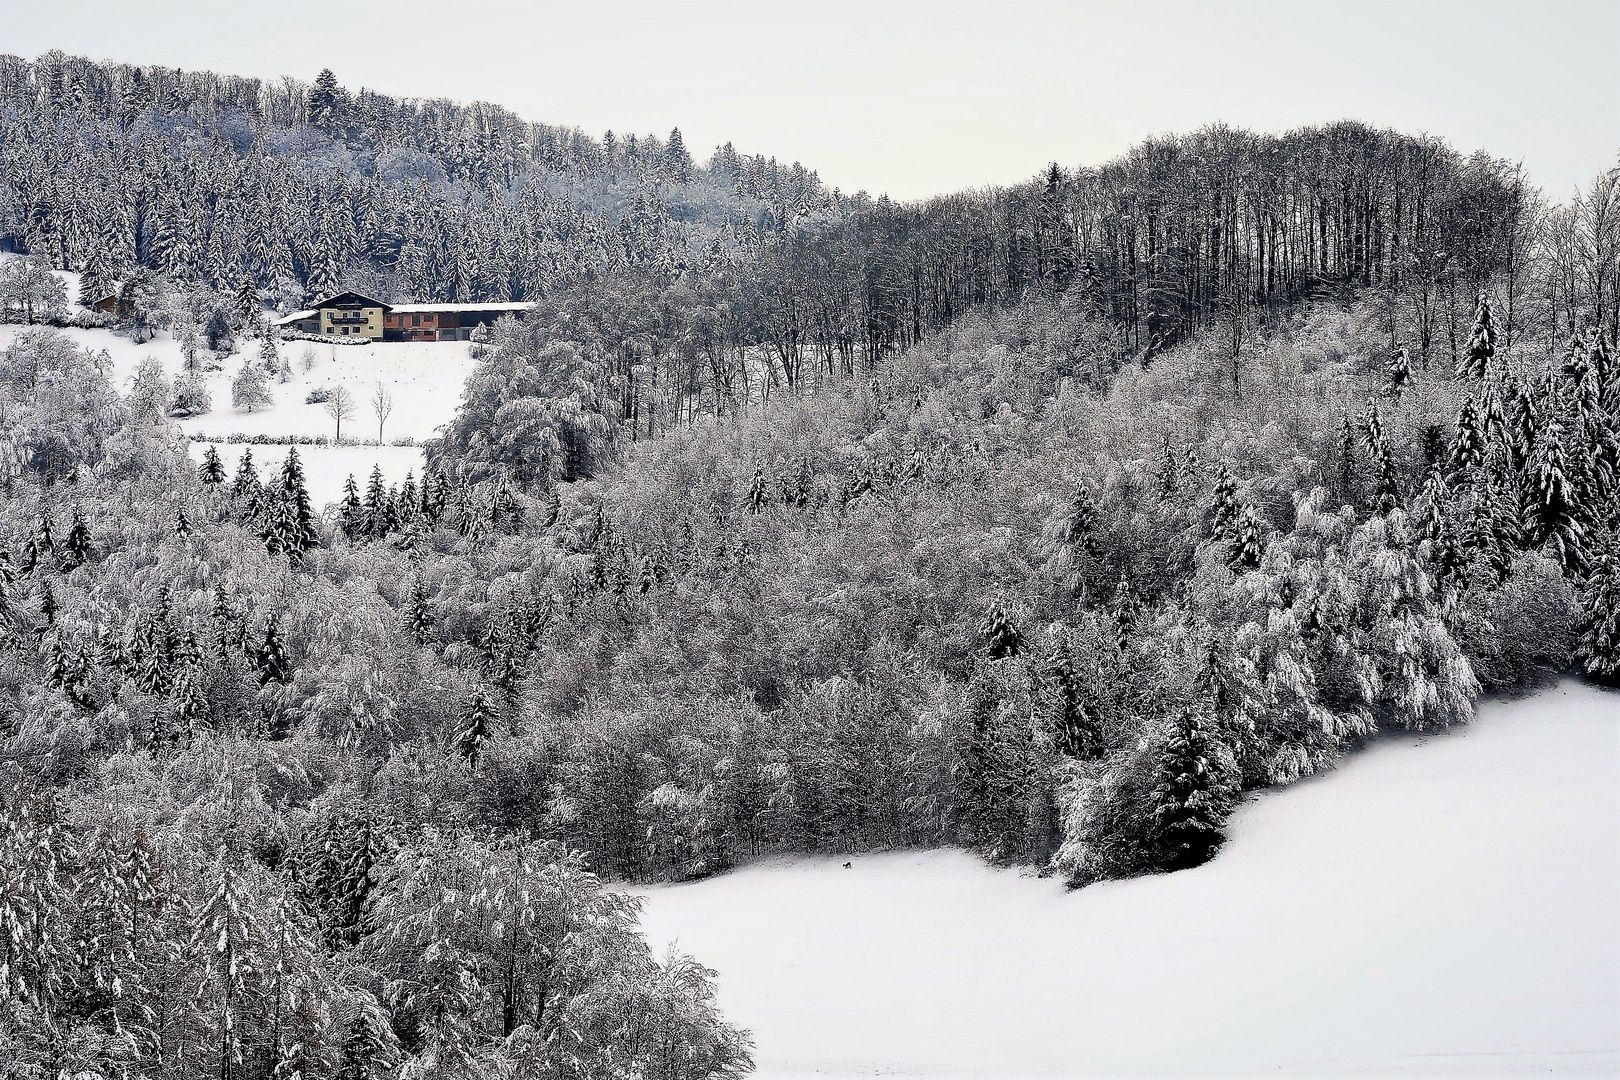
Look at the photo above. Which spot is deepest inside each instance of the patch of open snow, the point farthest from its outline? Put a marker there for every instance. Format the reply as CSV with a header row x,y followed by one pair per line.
x,y
1436,905
423,377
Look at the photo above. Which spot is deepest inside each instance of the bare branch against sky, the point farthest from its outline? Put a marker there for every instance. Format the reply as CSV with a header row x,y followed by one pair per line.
x,y
918,99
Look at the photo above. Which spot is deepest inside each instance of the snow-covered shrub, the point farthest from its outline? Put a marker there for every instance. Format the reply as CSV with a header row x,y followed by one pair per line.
x,y
191,396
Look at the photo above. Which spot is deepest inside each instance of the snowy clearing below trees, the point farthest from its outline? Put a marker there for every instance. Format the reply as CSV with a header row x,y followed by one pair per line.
x,y
1436,905
424,379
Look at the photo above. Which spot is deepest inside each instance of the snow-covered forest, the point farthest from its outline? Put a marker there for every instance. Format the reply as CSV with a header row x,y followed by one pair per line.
x,y
1043,522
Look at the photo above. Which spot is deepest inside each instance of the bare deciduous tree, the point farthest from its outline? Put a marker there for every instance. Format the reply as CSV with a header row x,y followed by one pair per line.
x,y
382,405
340,407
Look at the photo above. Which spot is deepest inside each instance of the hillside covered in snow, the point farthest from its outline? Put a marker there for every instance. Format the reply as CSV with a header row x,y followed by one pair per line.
x,y
1125,573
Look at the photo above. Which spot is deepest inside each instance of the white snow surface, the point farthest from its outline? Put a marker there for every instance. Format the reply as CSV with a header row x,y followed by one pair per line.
x,y
1440,905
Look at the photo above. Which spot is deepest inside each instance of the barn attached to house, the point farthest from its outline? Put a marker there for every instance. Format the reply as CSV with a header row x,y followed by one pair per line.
x,y
443,322
354,314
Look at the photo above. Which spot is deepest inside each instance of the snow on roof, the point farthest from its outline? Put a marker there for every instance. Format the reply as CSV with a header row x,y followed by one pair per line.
x,y
297,316
420,308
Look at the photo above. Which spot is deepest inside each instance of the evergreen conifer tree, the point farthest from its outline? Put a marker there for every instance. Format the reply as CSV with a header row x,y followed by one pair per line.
x,y
998,636
1475,362
1552,510
1193,791
1347,459
1073,730
1598,628
372,507
1248,540
1445,554
248,307
1469,448
269,355
76,545
351,514
1226,508
419,615
1435,451
294,520
212,470
271,656
1166,472
1399,374
477,721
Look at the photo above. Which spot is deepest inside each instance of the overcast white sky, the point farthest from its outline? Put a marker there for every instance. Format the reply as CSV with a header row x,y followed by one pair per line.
x,y
921,98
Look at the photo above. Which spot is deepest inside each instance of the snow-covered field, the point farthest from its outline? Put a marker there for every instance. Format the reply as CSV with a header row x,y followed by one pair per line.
x,y
1438,905
424,378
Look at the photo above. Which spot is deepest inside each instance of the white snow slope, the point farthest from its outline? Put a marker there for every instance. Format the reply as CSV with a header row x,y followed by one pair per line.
x,y
1437,905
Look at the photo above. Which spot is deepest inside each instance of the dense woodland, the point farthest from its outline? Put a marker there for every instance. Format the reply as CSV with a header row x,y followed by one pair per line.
x,y
1044,521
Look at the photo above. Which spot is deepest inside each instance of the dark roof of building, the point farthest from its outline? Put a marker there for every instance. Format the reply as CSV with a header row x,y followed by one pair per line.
x,y
365,301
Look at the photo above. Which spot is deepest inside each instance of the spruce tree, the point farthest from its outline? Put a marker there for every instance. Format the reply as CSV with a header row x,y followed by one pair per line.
x,y
1469,448
270,658
1598,628
408,502
1522,430
270,356
1347,459
324,99
1475,362
1435,451
1399,375
367,1048
1386,480
351,514
212,470
1552,509
1446,557
1226,508
1080,523
998,635
372,507
1193,792
248,306
1166,472
76,545
477,721
1073,730
419,615
48,606
1248,540
229,631
296,519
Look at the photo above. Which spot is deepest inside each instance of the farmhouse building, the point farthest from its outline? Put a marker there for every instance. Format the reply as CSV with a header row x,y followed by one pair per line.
x,y
351,314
